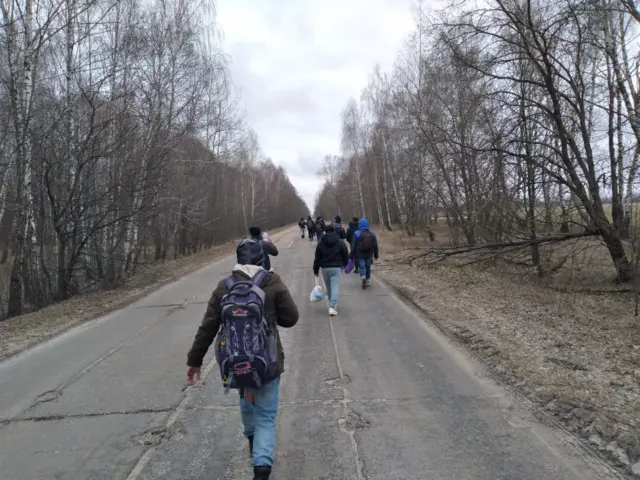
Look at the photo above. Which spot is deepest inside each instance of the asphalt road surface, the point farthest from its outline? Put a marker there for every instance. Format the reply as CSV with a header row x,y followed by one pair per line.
x,y
375,393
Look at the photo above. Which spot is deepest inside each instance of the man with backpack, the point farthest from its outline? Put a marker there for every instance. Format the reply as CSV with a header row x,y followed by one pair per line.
x,y
364,249
337,224
302,224
311,226
245,311
268,247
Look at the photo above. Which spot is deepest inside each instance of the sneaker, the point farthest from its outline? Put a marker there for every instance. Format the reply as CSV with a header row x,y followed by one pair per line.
x,y
364,282
368,282
333,312
261,472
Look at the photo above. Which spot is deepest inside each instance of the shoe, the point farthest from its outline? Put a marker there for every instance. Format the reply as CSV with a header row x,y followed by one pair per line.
x,y
364,282
250,445
261,472
333,312
368,282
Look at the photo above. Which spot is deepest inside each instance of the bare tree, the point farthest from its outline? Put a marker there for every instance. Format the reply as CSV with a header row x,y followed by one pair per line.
x,y
122,134
510,122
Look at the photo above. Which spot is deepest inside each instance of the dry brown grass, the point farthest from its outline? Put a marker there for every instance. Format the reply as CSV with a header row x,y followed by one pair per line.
x,y
20,333
577,354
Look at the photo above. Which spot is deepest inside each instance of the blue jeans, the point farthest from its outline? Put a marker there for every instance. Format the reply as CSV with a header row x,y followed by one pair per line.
x,y
364,265
331,277
259,420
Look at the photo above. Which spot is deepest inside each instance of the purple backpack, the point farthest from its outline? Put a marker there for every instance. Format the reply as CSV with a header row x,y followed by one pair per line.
x,y
247,346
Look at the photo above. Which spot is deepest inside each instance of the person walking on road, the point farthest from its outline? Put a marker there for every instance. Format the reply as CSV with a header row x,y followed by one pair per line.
x,y
302,224
268,247
364,250
311,226
269,299
320,225
332,256
353,228
337,223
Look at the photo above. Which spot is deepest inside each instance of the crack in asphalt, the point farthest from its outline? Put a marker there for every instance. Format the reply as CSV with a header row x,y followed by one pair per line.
x,y
170,423
54,394
350,421
58,417
173,306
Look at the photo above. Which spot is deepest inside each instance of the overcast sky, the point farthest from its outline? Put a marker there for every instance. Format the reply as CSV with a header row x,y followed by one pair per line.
x,y
297,62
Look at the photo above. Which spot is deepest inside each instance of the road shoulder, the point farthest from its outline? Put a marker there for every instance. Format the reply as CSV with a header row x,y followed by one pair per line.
x,y
569,367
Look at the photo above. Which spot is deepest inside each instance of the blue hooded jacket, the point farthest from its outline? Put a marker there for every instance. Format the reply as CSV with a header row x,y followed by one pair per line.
x,y
363,225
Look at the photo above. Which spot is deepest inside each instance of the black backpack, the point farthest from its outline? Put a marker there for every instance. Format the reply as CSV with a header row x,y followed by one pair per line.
x,y
366,242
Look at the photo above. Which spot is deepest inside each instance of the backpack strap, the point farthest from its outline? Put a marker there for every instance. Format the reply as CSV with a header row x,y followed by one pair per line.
x,y
259,278
230,281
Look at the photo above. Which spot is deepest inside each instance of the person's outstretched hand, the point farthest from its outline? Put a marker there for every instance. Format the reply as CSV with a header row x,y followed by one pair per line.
x,y
193,374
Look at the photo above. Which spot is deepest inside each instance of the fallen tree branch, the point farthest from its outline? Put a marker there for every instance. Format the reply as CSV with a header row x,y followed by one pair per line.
x,y
480,250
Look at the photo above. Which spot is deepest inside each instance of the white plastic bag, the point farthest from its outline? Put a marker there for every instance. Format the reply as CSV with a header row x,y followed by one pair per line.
x,y
317,293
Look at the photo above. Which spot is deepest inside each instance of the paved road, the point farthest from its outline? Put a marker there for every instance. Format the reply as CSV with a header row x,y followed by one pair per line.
x,y
375,393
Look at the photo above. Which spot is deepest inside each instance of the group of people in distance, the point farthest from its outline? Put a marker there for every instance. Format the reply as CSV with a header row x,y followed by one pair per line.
x,y
247,307
332,255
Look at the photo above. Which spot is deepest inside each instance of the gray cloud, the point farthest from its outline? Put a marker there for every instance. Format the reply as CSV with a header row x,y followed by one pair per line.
x,y
298,62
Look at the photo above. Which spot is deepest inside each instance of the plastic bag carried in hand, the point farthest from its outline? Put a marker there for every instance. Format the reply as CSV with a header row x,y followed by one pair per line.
x,y
317,293
350,266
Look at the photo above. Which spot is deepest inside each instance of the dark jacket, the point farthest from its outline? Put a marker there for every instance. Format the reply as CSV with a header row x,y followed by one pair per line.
x,y
330,252
269,249
355,252
353,228
280,310
340,231
311,225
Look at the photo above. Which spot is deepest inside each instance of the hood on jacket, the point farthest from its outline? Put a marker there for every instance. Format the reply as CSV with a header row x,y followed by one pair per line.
x,y
247,270
330,238
363,224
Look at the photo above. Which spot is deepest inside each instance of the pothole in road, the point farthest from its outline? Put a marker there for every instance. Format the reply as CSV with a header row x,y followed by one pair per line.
x,y
50,396
354,421
338,381
158,435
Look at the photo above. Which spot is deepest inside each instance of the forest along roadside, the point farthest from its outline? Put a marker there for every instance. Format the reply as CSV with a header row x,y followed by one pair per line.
x,y
20,333
576,355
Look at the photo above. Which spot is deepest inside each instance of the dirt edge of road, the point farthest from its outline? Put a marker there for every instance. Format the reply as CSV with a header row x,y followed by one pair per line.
x,y
543,416
594,403
26,331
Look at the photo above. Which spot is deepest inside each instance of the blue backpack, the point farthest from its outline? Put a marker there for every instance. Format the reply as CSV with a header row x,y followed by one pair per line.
x,y
246,347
